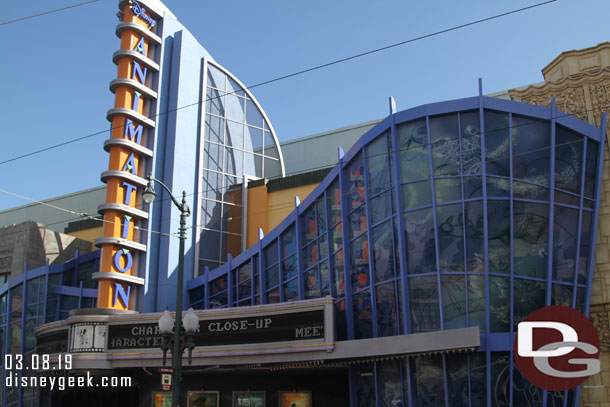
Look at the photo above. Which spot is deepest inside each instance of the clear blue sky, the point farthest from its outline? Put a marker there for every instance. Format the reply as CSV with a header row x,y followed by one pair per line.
x,y
56,68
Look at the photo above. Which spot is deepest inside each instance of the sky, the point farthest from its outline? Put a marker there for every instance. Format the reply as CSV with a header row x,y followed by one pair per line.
x,y
55,69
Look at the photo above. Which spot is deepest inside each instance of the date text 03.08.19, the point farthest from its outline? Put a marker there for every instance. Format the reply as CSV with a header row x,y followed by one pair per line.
x,y
36,362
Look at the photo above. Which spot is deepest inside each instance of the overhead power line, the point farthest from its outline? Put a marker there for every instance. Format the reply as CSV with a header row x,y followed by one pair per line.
x,y
48,12
301,72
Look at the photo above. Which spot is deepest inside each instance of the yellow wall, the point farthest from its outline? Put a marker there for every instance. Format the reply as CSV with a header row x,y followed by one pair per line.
x,y
267,209
281,203
88,234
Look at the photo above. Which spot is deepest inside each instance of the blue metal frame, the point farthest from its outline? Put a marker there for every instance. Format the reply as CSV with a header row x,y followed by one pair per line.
x,y
490,341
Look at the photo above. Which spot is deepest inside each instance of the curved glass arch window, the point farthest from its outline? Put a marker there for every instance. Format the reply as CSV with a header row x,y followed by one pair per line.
x,y
237,141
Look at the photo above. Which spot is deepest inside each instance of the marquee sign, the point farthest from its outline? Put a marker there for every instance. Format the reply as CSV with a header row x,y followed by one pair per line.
x,y
122,250
227,331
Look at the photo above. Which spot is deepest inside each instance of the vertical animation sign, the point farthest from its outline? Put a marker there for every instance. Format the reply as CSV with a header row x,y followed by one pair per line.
x,y
132,132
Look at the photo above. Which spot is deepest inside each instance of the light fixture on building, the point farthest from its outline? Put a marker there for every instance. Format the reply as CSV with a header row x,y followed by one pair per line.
x,y
190,323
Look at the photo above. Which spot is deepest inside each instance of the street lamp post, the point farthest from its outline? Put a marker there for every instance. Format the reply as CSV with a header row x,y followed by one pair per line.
x,y
178,342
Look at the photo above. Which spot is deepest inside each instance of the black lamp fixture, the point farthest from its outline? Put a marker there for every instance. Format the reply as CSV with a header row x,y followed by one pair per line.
x,y
190,325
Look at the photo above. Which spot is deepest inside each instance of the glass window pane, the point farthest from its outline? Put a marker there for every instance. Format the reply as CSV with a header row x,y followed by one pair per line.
x,y
270,254
253,140
416,194
273,296
210,250
308,220
363,326
270,148
500,379
325,278
289,267
591,168
357,221
289,241
585,246
273,168
498,187
423,296
429,381
323,247
565,234
271,277
457,383
475,259
377,164
530,239
355,190
454,301
390,388
212,185
413,151
450,237
364,378
234,160
528,296
333,194
336,237
476,301
562,295
419,233
253,115
380,207
525,394
312,283
291,290
531,141
216,78
387,324
235,107
310,255
321,216
498,221
471,142
473,188
383,245
499,304
360,262
215,103
235,134
338,274
213,156
478,379
496,143
448,190
530,191
568,159
444,134
253,165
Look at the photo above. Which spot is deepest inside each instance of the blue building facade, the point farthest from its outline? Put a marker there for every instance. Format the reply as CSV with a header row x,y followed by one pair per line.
x,y
473,212
36,297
